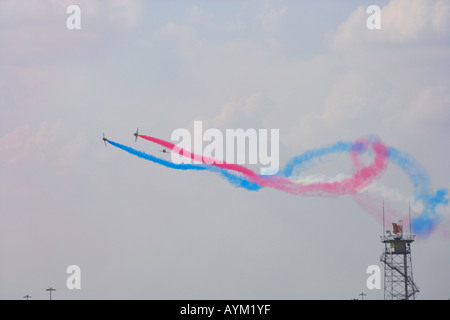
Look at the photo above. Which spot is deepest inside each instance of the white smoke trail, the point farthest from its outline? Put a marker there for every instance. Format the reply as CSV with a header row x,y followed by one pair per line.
x,y
316,178
393,195
386,193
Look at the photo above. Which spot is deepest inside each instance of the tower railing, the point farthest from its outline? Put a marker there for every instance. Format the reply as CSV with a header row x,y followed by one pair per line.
x,y
394,237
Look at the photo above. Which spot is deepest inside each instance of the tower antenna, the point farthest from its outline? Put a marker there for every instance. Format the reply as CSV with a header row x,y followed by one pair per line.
x,y
409,212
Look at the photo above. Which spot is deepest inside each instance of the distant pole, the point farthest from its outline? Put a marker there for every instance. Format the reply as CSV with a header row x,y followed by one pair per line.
x,y
362,294
27,297
383,220
50,289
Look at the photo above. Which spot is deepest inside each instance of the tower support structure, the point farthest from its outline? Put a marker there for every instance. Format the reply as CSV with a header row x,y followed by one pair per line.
x,y
396,258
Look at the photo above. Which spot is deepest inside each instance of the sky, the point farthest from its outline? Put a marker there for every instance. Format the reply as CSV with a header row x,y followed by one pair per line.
x,y
137,230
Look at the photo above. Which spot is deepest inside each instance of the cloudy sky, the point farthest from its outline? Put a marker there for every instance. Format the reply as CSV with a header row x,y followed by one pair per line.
x,y
137,230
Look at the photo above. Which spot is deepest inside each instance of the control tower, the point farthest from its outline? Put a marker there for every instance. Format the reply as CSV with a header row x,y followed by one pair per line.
x,y
396,258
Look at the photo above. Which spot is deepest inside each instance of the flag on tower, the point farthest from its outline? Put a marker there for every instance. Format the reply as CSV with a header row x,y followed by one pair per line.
x,y
397,228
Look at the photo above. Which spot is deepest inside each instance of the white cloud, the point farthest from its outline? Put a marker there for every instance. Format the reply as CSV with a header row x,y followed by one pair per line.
x,y
189,46
271,17
402,22
198,14
391,194
384,87
30,11
430,109
44,12
71,150
26,144
406,20
250,112
125,13
121,13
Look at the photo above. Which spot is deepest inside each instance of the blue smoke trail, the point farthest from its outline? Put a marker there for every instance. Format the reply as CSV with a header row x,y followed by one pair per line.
x,y
422,225
235,180
428,219
154,159
298,161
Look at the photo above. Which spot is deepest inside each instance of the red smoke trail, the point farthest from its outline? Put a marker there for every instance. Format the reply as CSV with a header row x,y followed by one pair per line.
x,y
361,178
183,152
367,202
